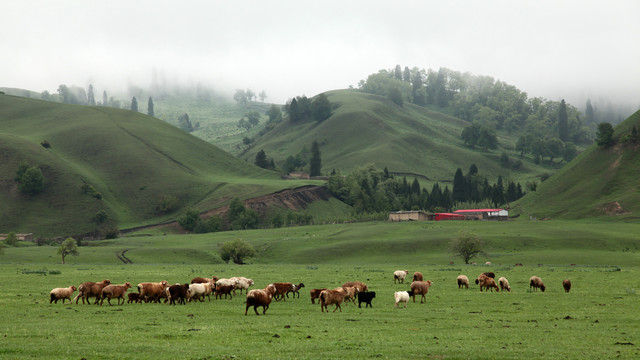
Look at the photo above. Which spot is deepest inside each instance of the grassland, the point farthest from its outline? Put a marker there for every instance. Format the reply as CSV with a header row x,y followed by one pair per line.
x,y
132,160
597,319
366,128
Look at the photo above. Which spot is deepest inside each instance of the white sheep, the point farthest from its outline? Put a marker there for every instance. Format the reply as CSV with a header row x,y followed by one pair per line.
x,y
462,280
399,275
61,294
199,291
504,284
402,296
536,283
243,283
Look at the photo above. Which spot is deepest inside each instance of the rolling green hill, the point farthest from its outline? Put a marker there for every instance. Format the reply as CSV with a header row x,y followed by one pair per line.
x,y
600,183
133,161
366,128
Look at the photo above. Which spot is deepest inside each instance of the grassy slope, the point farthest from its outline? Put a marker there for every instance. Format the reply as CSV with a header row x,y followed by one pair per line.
x,y
597,177
366,128
132,159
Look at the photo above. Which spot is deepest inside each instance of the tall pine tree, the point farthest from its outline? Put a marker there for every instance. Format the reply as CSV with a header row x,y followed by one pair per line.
x,y
563,122
134,104
315,164
150,110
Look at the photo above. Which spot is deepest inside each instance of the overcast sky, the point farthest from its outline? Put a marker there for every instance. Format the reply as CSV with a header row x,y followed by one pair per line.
x,y
550,48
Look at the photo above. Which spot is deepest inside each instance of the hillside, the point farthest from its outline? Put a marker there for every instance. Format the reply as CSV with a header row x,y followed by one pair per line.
x,y
600,183
366,128
136,163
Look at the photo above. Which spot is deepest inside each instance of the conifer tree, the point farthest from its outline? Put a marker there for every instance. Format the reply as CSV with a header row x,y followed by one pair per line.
x,y
150,110
315,163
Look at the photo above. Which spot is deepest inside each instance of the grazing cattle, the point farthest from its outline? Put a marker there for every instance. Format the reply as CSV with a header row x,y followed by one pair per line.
x,y
61,294
153,291
366,297
402,296
536,283
180,293
91,289
566,284
295,290
357,284
224,290
417,276
504,284
399,275
114,292
331,297
281,290
420,288
315,293
462,280
260,297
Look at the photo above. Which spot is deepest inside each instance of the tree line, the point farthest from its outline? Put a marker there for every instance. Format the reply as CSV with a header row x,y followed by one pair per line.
x,y
371,190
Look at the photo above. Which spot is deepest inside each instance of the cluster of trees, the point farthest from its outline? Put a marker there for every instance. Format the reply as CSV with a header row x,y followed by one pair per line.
x,y
482,100
605,138
370,190
249,120
29,178
244,97
540,147
295,163
301,108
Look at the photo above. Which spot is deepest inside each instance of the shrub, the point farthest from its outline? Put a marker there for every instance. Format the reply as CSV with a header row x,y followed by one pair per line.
x,y
32,181
237,250
90,190
167,204
110,232
189,220
45,144
212,224
100,216
12,239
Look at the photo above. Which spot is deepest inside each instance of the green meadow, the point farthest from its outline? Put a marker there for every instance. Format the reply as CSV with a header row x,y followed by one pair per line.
x,y
597,319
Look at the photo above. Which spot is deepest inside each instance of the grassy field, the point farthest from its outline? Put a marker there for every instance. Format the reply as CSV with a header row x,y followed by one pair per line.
x,y
597,319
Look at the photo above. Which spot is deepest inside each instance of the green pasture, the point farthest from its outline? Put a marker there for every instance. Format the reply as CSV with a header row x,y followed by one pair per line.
x,y
597,319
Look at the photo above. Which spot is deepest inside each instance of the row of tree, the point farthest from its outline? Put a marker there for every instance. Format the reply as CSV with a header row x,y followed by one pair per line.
x,y
369,190
301,108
